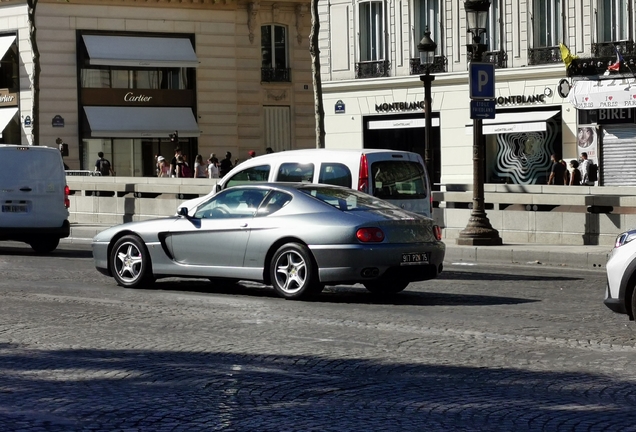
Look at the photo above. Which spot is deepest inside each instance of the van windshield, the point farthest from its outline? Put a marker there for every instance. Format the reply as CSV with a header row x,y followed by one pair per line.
x,y
393,179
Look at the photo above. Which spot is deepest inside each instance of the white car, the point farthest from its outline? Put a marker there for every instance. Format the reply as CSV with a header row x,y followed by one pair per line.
x,y
621,275
398,177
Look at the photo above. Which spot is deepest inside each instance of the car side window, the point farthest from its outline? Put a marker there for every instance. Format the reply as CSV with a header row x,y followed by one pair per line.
x,y
335,174
239,203
296,172
274,202
253,174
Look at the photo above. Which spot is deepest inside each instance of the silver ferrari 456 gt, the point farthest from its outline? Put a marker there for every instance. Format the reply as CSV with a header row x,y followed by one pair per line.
x,y
296,237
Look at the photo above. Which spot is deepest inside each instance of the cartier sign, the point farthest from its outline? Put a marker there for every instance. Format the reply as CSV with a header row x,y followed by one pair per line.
x,y
137,97
131,97
8,99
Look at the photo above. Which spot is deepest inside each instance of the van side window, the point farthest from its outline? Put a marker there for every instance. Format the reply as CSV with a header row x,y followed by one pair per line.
x,y
296,172
398,180
335,174
254,174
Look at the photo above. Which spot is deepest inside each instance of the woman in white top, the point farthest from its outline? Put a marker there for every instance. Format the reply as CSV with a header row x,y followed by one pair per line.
x,y
200,170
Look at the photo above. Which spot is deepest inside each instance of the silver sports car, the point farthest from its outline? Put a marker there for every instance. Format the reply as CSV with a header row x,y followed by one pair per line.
x,y
296,237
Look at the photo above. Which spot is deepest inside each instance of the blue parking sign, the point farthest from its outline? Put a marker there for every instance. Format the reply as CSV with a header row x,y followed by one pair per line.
x,y
481,80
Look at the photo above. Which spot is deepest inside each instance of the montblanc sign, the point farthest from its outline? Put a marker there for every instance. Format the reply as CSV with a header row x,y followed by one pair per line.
x,y
520,99
399,106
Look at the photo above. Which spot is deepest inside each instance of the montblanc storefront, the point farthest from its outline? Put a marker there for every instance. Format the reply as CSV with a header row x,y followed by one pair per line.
x,y
607,127
134,92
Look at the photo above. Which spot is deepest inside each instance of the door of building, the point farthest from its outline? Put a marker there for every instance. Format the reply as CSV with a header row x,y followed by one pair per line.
x,y
618,156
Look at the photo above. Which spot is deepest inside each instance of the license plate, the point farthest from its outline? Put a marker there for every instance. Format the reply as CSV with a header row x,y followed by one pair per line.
x,y
414,258
14,208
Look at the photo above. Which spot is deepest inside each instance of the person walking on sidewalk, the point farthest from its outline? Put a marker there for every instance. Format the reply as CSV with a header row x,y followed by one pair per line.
x,y
558,173
103,165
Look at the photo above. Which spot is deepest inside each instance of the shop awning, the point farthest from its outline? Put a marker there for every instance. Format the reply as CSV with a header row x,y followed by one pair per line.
x,y
6,114
605,93
140,122
531,121
131,51
5,44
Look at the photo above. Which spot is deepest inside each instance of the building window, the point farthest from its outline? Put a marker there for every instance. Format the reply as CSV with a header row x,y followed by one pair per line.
x,y
274,57
371,31
493,34
613,20
147,78
430,17
547,23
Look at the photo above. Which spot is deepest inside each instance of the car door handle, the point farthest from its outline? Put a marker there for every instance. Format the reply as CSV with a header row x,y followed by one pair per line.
x,y
244,225
26,189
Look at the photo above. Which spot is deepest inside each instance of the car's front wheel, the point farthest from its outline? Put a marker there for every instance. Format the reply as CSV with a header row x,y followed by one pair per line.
x,y
45,245
384,286
130,261
292,272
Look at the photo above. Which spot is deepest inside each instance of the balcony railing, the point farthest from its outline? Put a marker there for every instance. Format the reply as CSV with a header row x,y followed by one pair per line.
x,y
438,66
499,58
275,75
373,69
608,49
544,55
604,55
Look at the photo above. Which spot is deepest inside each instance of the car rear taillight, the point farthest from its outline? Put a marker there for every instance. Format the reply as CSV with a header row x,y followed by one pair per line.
x,y
67,192
363,176
437,232
370,235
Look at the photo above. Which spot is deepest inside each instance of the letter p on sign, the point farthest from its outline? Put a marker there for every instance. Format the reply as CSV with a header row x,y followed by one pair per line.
x,y
481,77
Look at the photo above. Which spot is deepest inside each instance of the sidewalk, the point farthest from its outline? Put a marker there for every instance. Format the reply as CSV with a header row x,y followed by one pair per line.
x,y
583,257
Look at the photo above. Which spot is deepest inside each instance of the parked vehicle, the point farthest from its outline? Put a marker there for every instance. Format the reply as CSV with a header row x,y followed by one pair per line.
x,y
297,237
398,177
34,196
620,295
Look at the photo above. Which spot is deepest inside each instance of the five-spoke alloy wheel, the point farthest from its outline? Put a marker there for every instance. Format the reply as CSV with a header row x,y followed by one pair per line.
x,y
130,262
292,272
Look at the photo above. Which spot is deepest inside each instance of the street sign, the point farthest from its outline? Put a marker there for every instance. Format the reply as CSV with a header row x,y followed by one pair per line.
x,y
482,109
481,80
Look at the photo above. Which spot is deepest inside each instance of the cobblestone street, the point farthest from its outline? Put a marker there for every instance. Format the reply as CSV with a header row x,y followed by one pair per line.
x,y
484,348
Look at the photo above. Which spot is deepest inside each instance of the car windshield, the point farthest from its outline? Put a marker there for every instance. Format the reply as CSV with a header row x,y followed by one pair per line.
x,y
346,199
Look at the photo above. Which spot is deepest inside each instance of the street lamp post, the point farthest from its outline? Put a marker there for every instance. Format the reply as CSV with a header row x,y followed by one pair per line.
x,y
478,231
427,48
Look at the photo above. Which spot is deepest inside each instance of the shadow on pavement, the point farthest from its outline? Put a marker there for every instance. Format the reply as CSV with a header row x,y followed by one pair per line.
x,y
144,390
61,252
467,275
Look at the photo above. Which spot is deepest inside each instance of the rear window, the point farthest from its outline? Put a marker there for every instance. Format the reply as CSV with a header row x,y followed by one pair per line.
x,y
296,172
394,179
254,174
346,199
335,174
26,163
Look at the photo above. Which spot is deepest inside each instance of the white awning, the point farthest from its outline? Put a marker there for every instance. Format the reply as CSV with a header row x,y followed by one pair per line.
x,y
605,93
531,121
141,122
140,51
5,44
6,115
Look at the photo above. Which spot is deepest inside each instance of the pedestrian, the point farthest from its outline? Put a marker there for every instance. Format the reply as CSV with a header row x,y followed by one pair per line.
x,y
173,162
180,167
226,164
163,169
103,165
251,154
213,166
584,167
575,174
63,151
557,174
269,150
200,169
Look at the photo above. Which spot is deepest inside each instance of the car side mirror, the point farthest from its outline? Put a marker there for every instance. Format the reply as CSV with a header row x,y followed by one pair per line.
x,y
217,187
183,211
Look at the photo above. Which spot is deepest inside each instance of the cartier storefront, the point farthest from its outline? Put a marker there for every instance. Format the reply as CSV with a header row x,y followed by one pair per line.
x,y
135,91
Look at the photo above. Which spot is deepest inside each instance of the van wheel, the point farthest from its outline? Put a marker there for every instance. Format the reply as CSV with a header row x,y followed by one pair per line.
x,y
130,263
383,286
292,272
45,245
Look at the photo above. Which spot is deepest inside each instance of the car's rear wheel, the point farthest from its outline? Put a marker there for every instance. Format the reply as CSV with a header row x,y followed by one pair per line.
x,y
130,261
293,273
45,244
385,286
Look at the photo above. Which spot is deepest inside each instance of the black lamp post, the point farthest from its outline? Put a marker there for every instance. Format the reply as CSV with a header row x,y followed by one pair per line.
x,y
427,48
478,231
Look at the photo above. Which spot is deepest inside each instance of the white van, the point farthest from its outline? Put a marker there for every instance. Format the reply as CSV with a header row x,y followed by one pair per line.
x,y
398,177
34,196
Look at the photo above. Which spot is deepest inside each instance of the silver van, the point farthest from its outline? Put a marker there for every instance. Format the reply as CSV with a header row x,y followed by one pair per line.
x,y
398,177
34,196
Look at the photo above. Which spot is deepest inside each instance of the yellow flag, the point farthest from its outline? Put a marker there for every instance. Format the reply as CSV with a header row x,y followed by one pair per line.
x,y
566,56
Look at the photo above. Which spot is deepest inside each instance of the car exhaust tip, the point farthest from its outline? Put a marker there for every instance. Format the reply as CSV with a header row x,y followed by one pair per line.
x,y
370,272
